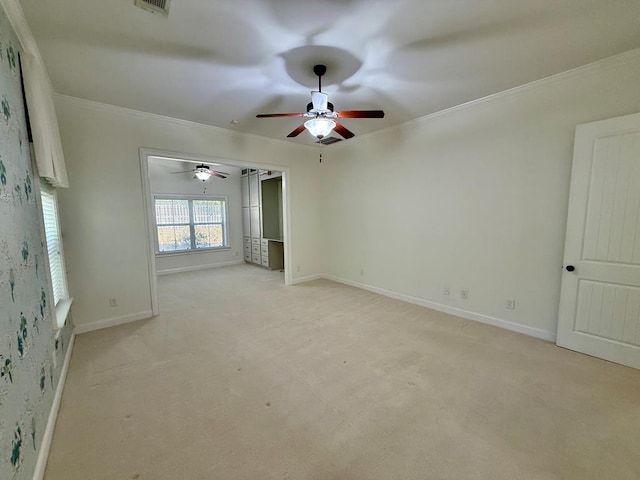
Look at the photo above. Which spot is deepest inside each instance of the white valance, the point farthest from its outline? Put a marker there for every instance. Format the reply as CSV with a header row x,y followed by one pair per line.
x,y
44,123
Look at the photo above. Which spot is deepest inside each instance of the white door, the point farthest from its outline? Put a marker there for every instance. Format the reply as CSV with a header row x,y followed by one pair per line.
x,y
600,298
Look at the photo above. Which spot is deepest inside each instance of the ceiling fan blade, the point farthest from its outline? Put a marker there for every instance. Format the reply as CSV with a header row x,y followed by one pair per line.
x,y
360,114
344,131
273,115
219,174
297,131
184,171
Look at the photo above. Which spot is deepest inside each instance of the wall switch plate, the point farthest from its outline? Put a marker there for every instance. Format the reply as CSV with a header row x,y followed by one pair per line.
x,y
113,302
446,291
464,294
510,304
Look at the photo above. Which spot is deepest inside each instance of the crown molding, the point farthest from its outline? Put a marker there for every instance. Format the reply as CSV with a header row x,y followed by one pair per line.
x,y
603,64
105,107
18,21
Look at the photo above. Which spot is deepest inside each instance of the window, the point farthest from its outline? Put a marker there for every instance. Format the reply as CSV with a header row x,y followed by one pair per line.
x,y
55,254
189,224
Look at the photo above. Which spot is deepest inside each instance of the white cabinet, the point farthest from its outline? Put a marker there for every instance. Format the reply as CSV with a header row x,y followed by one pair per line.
x,y
251,215
262,217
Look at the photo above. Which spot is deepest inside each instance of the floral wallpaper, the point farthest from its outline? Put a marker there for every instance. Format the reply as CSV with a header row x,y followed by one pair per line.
x,y
31,349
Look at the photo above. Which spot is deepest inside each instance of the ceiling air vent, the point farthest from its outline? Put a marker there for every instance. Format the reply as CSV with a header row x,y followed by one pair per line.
x,y
329,140
154,6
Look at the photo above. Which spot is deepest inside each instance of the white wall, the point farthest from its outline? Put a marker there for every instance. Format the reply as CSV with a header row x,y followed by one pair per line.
x,y
163,181
103,218
475,197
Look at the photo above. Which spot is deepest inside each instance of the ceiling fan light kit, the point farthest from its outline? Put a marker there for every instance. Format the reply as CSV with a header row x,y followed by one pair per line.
x,y
320,127
203,174
322,117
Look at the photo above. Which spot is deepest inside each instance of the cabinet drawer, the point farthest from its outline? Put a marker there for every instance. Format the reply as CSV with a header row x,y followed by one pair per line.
x,y
255,249
264,242
265,261
247,248
255,258
247,257
246,240
255,241
264,251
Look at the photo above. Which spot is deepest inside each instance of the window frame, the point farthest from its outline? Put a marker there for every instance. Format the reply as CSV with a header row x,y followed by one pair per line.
x,y
192,224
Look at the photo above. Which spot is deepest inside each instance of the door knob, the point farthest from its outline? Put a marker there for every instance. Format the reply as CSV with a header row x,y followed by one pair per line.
x,y
570,268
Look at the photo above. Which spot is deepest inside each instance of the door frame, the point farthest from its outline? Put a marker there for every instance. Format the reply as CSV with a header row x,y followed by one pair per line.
x,y
147,198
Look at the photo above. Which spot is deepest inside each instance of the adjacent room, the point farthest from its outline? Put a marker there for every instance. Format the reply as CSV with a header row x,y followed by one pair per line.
x,y
207,215
358,239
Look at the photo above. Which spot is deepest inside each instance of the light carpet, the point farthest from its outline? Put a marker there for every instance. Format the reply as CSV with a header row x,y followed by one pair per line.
x,y
241,377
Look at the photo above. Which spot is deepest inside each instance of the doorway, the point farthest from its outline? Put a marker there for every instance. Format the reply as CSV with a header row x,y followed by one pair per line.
x,y
189,243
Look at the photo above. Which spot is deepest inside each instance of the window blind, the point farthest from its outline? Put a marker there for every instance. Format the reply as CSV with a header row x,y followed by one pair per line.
x,y
54,242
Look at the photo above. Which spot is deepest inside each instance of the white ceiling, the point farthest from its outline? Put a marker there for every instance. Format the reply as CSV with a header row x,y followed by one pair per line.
x,y
213,61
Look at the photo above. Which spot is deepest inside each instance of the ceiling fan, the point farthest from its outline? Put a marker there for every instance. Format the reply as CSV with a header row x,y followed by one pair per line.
x,y
322,117
203,172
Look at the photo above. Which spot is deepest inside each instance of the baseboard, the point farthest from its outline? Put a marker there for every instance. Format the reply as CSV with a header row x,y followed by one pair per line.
x,y
45,445
112,322
199,267
458,312
296,281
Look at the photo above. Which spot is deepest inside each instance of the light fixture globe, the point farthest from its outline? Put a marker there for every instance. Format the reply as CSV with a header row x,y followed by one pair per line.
x,y
320,127
203,173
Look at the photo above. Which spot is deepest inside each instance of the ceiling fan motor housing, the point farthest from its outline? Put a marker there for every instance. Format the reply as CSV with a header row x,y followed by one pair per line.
x,y
310,106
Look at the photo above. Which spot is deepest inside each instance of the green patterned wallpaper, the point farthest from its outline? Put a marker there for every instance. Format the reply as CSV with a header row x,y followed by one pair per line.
x,y
31,354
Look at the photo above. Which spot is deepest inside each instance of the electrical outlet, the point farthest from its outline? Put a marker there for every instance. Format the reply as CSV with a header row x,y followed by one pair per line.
x,y
361,272
464,294
510,304
113,302
446,291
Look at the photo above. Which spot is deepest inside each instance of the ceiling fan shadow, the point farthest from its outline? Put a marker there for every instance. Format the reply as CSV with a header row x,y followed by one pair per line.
x,y
416,60
341,64
244,52
294,16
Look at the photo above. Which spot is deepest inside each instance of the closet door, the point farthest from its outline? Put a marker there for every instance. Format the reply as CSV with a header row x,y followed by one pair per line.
x,y
254,190
246,222
244,187
255,222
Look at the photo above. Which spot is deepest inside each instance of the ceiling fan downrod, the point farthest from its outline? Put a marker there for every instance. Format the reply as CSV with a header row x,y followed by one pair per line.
x,y
320,70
